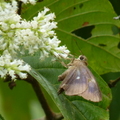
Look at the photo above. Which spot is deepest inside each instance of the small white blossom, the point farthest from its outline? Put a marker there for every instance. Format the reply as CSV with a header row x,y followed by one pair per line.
x,y
12,74
3,72
22,75
32,1
29,1
11,67
116,18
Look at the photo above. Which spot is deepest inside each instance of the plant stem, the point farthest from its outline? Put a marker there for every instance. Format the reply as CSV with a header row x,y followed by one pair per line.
x,y
19,7
36,87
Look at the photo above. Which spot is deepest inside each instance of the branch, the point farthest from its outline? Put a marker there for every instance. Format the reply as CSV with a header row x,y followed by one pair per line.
x,y
19,7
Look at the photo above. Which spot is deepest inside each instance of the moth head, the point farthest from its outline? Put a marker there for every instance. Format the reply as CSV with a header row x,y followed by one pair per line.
x,y
83,59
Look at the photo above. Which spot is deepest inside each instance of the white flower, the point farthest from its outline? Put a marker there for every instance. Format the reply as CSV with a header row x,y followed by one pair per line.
x,y
32,1
3,72
22,75
29,1
12,74
24,68
11,67
116,18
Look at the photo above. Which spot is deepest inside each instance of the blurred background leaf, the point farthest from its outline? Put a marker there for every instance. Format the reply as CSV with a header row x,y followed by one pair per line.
x,y
1,118
83,25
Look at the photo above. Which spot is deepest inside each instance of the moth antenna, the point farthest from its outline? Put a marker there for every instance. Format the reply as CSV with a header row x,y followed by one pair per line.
x,y
81,52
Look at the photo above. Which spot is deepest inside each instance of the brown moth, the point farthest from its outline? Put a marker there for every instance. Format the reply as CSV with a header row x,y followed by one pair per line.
x,y
78,80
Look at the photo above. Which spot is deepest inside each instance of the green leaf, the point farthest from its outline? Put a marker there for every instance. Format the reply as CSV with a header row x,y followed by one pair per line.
x,y
92,19
75,17
91,112
115,104
86,26
72,107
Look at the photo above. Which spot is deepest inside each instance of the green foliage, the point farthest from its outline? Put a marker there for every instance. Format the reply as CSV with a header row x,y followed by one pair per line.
x,y
79,14
99,41
73,108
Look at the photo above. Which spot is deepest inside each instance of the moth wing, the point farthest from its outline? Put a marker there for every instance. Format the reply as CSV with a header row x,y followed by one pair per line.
x,y
75,82
92,92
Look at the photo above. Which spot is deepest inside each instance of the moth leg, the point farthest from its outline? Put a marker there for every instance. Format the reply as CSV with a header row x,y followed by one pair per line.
x,y
71,63
62,76
60,91
72,60
71,55
65,65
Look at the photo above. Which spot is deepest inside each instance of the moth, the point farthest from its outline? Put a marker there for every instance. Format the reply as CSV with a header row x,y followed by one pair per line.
x,y
78,80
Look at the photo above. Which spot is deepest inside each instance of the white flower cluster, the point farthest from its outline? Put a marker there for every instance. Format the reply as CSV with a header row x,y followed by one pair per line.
x,y
11,67
18,35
